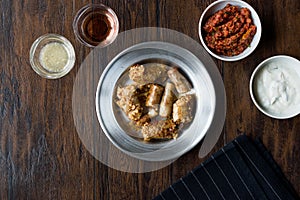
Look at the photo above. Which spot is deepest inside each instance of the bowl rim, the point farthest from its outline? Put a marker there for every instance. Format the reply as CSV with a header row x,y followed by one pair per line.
x,y
253,75
257,34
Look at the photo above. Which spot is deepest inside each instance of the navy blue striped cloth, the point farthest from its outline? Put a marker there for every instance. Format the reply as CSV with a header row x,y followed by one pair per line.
x,y
243,169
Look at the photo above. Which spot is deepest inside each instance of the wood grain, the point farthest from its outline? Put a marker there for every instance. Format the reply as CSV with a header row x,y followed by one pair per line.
x,y
41,155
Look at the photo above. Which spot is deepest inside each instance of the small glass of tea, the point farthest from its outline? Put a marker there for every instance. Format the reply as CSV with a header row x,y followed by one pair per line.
x,y
96,25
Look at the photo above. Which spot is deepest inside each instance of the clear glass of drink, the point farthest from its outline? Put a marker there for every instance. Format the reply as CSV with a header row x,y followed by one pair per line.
x,y
96,25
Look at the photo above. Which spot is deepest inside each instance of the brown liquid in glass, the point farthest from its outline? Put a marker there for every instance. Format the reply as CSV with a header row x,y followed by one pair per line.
x,y
97,27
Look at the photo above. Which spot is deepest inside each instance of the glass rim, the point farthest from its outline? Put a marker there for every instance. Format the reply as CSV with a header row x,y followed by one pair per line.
x,y
89,8
37,66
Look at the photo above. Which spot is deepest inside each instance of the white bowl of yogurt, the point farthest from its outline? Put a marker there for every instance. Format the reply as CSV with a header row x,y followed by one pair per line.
x,y
275,87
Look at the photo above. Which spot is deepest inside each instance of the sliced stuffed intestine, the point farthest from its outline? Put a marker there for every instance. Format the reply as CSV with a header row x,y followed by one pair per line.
x,y
167,100
181,83
182,109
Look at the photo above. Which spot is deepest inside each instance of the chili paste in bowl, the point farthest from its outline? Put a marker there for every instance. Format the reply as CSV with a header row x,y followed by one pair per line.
x,y
229,30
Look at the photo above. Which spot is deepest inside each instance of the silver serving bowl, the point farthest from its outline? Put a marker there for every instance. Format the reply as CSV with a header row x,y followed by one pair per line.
x,y
115,125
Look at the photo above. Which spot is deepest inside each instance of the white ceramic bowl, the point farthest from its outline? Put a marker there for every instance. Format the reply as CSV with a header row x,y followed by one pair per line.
x,y
218,5
259,79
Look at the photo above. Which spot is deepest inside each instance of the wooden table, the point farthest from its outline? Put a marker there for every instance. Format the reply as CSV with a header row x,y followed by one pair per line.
x,y
41,155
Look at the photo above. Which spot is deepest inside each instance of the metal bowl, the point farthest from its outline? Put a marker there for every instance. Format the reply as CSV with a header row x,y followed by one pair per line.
x,y
116,128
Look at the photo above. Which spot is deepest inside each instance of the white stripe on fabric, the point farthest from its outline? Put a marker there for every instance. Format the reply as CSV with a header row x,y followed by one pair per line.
x,y
200,185
187,188
237,172
225,177
258,169
175,192
162,196
213,181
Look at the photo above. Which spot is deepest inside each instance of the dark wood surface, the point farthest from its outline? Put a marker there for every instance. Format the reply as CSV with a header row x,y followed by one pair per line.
x,y
41,155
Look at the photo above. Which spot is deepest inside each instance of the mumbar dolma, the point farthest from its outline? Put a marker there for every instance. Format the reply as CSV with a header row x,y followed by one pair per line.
x,y
154,99
159,109
167,100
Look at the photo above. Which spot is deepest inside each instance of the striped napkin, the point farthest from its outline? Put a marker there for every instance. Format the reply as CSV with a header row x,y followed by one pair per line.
x,y
243,169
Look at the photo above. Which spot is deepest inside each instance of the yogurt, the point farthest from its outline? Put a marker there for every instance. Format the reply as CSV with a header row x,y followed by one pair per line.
x,y
277,88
